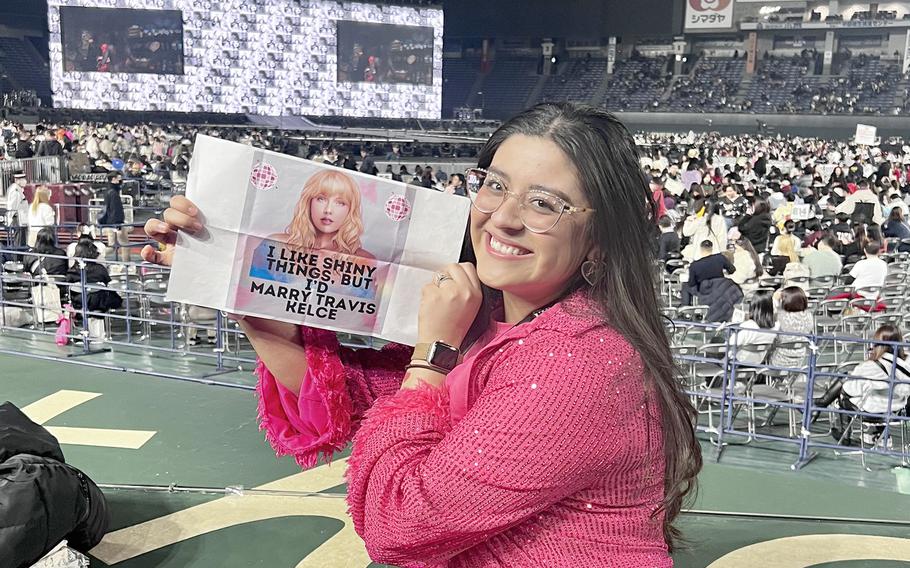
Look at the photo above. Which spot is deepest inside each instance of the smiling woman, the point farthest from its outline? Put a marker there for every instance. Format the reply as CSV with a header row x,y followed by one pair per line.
x,y
538,421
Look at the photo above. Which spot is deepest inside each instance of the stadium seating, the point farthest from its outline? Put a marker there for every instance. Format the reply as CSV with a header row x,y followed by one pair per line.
x,y
458,75
637,84
507,88
775,83
24,67
710,87
577,82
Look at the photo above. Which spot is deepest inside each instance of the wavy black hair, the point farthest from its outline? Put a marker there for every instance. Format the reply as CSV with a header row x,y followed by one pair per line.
x,y
623,227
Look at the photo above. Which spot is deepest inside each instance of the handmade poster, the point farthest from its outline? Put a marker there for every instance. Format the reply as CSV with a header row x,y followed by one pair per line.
x,y
299,241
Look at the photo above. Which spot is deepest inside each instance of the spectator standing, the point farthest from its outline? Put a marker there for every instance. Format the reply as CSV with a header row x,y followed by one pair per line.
x,y
17,211
112,217
40,214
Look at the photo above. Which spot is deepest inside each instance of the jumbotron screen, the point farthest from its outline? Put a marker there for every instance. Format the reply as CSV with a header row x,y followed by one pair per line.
x,y
112,40
263,57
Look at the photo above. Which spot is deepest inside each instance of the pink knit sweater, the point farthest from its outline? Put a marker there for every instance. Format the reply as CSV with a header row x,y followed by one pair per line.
x,y
557,462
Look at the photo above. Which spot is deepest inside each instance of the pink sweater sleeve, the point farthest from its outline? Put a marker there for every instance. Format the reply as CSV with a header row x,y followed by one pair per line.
x,y
339,386
420,490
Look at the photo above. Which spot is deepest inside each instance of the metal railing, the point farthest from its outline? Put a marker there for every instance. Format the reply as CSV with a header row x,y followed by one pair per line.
x,y
145,322
42,169
737,391
729,389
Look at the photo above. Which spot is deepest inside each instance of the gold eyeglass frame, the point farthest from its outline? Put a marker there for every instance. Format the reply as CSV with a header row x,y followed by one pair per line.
x,y
566,208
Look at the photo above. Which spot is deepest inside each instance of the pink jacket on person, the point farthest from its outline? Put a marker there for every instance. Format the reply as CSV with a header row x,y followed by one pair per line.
x,y
550,454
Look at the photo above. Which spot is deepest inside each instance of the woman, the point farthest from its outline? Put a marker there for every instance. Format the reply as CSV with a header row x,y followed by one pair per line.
x,y
709,227
786,234
853,251
896,228
837,176
95,274
748,266
564,351
756,226
40,214
872,391
44,244
793,267
327,216
794,317
757,330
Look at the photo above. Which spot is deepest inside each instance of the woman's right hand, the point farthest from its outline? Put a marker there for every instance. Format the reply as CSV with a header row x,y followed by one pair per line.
x,y
182,215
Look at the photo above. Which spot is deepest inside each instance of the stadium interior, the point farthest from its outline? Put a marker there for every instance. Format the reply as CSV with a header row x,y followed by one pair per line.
x,y
786,123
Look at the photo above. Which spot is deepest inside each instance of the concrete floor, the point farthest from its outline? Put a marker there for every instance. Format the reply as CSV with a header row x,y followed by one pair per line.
x,y
129,429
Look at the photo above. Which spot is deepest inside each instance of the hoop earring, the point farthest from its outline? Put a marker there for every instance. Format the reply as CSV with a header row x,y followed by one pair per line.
x,y
590,271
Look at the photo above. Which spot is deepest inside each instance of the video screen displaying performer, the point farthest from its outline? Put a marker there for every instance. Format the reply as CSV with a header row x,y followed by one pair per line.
x,y
117,40
384,53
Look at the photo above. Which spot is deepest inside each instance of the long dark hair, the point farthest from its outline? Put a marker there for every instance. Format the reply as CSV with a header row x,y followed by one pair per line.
x,y
624,225
761,310
746,245
44,241
887,332
761,207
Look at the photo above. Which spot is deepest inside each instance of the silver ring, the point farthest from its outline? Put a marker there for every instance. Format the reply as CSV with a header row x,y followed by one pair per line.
x,y
441,277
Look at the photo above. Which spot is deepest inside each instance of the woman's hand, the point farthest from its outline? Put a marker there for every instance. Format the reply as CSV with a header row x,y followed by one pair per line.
x,y
182,215
448,309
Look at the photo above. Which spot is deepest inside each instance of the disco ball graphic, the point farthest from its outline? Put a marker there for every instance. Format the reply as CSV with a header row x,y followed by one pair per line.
x,y
397,207
263,176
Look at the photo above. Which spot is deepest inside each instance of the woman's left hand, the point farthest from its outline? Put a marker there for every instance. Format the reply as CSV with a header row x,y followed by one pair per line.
x,y
448,309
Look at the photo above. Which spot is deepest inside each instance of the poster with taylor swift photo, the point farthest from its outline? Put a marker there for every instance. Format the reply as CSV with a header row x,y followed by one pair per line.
x,y
300,241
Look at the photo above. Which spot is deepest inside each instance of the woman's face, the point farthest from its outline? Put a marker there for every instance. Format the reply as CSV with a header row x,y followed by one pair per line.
x,y
510,258
328,212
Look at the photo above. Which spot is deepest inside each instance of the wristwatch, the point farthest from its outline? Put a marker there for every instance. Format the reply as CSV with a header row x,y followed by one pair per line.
x,y
441,356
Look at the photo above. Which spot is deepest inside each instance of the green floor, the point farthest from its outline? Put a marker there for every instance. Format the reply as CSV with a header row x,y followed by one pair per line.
x,y
206,437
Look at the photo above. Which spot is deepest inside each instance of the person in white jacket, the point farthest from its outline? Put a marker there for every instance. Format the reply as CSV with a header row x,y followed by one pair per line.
x,y
709,227
863,194
40,214
17,210
869,388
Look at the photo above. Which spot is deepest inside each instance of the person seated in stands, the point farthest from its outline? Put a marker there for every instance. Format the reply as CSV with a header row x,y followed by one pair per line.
x,y
853,251
44,244
787,234
391,173
95,273
896,229
823,260
862,203
710,265
734,205
784,213
793,316
668,242
757,330
895,201
706,280
869,272
869,390
755,226
85,233
747,264
793,268
709,226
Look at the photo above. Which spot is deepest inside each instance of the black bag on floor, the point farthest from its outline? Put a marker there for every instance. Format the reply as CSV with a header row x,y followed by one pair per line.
x,y
43,500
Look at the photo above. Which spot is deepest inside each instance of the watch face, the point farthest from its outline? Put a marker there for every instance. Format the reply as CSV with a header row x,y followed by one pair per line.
x,y
443,356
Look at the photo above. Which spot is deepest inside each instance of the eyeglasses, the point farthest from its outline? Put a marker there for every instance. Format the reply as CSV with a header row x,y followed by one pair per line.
x,y
539,210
